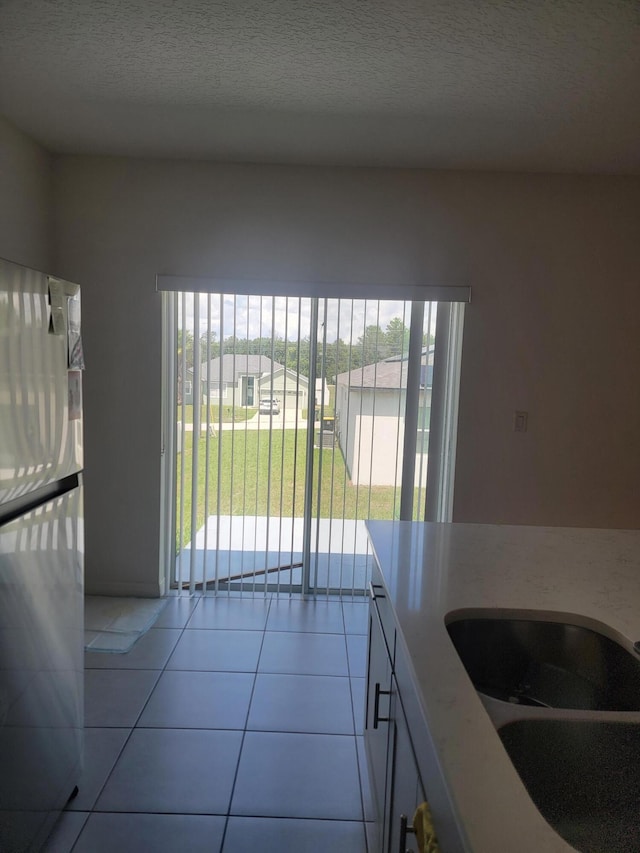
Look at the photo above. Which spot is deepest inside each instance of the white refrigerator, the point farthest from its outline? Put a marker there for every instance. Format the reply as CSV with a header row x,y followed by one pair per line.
x,y
41,553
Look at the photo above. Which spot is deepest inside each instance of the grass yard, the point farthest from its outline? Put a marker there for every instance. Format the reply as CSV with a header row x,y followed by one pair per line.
x,y
229,414
251,460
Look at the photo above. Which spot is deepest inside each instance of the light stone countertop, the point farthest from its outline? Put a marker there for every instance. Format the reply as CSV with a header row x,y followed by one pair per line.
x,y
588,577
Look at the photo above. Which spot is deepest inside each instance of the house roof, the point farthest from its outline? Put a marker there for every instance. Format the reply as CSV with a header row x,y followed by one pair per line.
x,y
383,374
234,366
278,370
390,374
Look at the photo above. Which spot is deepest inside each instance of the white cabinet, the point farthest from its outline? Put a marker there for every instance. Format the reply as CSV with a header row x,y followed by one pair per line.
x,y
393,769
377,726
406,790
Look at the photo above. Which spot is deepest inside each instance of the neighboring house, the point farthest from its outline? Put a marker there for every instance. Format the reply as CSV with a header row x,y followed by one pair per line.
x,y
185,388
287,386
322,392
370,405
241,380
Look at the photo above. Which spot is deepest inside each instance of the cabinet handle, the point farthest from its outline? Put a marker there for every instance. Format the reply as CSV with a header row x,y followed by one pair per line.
x,y
404,829
372,591
376,706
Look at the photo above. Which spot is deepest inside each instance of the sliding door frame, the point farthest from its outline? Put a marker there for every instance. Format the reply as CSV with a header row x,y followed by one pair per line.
x,y
441,469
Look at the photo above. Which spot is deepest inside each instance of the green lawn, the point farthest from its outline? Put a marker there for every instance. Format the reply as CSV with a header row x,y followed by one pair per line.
x,y
229,414
259,458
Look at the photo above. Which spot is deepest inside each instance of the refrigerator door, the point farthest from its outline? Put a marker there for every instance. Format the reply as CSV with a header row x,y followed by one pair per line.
x,y
41,668
40,396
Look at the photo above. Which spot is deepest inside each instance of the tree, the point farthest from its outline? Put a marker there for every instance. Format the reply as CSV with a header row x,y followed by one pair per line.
x,y
337,360
260,346
239,346
185,347
305,352
372,345
397,337
213,350
280,346
185,358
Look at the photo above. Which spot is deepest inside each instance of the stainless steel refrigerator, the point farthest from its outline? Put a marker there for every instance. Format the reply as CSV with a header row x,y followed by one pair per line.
x,y
41,553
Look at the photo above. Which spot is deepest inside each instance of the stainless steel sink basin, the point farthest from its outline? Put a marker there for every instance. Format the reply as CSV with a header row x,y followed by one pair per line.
x,y
584,777
547,664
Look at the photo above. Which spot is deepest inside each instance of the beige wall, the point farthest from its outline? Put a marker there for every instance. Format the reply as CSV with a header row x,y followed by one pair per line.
x,y
25,200
554,266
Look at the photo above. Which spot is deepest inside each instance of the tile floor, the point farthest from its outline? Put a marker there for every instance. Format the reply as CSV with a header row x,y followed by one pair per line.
x,y
234,724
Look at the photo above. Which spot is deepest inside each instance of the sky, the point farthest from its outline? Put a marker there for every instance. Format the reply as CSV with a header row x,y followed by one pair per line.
x,y
290,318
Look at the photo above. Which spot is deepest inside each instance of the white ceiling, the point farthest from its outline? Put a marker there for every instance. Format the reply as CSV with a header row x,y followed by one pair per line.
x,y
534,85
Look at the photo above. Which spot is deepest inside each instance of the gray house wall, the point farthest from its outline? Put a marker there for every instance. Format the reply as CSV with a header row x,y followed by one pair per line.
x,y
371,434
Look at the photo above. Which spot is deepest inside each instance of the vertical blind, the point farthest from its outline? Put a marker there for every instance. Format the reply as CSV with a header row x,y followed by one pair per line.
x,y
274,496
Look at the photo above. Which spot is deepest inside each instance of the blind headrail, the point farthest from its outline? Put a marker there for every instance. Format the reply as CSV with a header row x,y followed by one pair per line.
x,y
321,289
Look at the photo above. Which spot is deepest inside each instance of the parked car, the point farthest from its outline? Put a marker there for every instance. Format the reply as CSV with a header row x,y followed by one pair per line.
x,y
269,406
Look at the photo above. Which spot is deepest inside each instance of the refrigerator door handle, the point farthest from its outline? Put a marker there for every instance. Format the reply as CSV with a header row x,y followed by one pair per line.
x,y
20,506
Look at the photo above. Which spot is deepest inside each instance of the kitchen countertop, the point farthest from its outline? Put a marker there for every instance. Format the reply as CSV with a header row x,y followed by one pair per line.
x,y
588,577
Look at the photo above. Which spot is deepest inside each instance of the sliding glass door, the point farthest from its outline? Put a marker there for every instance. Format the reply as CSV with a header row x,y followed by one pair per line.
x,y
290,422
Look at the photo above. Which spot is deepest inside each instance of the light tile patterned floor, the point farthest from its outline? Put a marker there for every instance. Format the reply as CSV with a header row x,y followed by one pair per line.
x,y
235,724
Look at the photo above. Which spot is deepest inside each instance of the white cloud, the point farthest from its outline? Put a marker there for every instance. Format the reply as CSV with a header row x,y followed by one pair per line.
x,y
250,317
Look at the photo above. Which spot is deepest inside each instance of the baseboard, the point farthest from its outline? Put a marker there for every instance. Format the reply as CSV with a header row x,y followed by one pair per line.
x,y
124,588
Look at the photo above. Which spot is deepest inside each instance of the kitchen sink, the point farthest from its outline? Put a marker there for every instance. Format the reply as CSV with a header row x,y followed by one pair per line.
x,y
584,778
547,664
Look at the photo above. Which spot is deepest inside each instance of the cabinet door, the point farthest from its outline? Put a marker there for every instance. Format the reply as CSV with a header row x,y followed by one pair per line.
x,y
377,713
406,791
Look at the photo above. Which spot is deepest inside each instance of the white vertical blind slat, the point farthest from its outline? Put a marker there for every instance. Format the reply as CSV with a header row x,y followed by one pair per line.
x,y
205,550
183,436
195,444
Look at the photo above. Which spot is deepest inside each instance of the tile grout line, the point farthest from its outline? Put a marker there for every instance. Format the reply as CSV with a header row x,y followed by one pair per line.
x,y
244,732
355,729
93,809
245,729
135,726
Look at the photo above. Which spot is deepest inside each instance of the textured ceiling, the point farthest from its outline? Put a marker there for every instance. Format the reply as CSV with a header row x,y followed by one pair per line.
x,y
548,85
